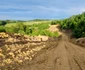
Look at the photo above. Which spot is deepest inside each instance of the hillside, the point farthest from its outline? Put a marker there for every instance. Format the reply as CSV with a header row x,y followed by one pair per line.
x,y
62,56
43,45
76,23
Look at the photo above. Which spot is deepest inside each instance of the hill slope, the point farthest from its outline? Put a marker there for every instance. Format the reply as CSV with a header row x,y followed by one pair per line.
x,y
76,23
64,56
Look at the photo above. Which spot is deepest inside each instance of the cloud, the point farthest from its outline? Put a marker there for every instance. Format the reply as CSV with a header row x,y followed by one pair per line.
x,y
30,9
74,10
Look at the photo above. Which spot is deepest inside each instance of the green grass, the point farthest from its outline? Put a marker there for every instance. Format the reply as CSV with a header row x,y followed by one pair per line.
x,y
32,28
27,23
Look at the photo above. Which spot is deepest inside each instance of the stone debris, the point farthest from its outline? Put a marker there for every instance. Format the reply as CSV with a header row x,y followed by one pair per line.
x,y
3,35
81,41
2,55
0,50
7,61
15,50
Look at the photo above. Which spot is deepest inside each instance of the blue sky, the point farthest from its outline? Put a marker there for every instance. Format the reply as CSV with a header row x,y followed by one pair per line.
x,y
40,9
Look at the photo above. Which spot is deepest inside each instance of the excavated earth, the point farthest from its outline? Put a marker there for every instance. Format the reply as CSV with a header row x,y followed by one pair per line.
x,y
64,56
53,54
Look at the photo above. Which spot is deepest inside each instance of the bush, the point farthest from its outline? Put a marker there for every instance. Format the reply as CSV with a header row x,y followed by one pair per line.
x,y
3,23
55,34
76,24
21,32
43,26
29,29
48,33
2,29
11,29
53,23
18,28
33,30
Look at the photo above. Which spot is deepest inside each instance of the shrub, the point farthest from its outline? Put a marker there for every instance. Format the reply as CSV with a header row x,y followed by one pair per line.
x,y
11,29
29,29
76,24
43,26
3,23
2,29
53,23
21,32
18,28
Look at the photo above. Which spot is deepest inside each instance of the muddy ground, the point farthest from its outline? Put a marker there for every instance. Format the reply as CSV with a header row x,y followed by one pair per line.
x,y
64,56
54,54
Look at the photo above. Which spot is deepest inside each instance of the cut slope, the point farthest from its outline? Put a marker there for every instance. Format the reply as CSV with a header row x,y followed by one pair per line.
x,y
65,56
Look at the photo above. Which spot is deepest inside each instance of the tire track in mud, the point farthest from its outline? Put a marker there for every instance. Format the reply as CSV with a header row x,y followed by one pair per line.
x,y
56,59
62,61
64,56
76,55
72,63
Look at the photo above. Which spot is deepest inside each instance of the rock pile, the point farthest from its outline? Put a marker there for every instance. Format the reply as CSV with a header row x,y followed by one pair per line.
x,y
19,48
3,35
81,41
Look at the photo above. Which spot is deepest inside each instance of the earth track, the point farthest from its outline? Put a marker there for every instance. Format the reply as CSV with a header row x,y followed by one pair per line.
x,y
64,56
58,55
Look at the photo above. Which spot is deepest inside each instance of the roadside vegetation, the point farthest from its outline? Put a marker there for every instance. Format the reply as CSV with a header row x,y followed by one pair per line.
x,y
76,23
37,27
34,29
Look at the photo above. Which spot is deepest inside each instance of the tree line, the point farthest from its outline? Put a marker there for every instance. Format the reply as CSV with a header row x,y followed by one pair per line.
x,y
76,23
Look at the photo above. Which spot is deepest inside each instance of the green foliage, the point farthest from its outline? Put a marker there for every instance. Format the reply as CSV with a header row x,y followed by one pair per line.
x,y
29,29
3,23
76,24
55,22
39,20
2,29
11,21
44,33
33,30
42,26
19,28
38,29
21,31
11,29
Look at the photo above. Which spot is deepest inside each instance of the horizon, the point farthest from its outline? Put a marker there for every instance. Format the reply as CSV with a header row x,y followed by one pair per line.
x,y
44,9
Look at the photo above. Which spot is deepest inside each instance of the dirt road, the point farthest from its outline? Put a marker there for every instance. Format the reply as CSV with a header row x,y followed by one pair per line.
x,y
65,56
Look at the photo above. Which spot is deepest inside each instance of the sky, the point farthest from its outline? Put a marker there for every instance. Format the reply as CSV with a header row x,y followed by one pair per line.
x,y
40,9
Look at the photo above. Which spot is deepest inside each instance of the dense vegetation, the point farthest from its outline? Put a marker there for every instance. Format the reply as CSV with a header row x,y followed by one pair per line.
x,y
2,23
32,30
54,22
76,23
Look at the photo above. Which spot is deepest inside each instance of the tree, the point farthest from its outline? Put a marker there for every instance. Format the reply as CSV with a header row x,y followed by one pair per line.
x,y
3,23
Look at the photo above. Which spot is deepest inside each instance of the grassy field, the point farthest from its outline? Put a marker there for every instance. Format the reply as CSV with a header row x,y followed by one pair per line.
x,y
27,23
32,28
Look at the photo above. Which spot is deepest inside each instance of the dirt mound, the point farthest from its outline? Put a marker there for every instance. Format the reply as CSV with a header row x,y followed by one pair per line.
x,y
54,28
64,56
52,54
16,49
81,41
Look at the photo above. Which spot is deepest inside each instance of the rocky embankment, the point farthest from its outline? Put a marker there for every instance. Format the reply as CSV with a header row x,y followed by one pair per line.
x,y
81,41
16,49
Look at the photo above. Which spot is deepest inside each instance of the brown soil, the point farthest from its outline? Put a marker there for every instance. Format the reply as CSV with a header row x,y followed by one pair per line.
x,y
58,54
64,56
54,28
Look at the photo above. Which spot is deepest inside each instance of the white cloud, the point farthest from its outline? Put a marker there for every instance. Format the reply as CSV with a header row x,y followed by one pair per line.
x,y
75,10
39,11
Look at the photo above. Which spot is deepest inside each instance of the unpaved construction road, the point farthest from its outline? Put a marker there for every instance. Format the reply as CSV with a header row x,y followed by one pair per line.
x,y
64,56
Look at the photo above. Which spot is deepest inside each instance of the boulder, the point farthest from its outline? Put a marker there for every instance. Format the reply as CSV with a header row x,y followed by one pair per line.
x,y
81,41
